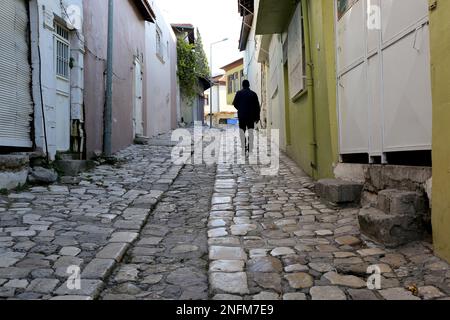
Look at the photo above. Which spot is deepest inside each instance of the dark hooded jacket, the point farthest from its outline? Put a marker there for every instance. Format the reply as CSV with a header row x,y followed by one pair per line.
x,y
247,104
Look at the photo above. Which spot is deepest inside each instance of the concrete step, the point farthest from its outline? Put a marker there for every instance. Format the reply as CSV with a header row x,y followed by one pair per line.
x,y
72,168
392,230
141,140
339,191
399,202
13,171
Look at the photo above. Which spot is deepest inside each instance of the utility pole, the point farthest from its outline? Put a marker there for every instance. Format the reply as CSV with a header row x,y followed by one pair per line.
x,y
107,129
211,89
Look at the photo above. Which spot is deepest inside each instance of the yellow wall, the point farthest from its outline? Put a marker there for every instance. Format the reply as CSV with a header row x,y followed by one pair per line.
x,y
312,119
440,62
238,69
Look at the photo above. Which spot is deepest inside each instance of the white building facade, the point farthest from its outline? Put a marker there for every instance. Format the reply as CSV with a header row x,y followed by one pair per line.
x,y
161,61
57,55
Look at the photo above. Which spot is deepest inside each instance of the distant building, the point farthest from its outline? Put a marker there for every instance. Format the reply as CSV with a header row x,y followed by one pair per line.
x,y
222,111
234,73
191,111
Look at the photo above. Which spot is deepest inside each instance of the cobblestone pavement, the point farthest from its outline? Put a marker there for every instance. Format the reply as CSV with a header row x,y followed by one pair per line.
x,y
45,230
271,238
148,229
170,258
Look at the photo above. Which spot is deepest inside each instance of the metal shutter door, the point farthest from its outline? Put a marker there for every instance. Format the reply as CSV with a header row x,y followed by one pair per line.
x,y
16,105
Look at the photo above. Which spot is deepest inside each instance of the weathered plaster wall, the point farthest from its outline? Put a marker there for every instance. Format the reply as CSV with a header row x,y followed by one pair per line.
x,y
129,42
161,104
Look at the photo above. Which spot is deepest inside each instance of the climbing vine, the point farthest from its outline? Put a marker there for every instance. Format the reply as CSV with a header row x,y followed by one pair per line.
x,y
186,69
192,64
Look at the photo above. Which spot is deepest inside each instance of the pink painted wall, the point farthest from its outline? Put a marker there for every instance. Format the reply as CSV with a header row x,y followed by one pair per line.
x,y
129,41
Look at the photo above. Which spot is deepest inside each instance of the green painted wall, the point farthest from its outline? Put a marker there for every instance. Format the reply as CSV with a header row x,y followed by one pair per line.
x,y
440,62
312,119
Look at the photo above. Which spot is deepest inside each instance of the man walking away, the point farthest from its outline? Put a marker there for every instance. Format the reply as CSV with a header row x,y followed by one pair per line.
x,y
249,110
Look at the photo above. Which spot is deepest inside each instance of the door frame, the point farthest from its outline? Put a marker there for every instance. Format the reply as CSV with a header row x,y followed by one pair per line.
x,y
136,132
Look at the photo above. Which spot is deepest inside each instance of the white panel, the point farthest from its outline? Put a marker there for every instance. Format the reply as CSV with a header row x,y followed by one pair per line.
x,y
375,115
399,15
407,93
351,29
353,111
374,16
15,75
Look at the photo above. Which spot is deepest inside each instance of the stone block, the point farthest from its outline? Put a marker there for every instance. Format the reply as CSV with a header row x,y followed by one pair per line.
x,y
40,175
113,251
390,230
13,162
394,201
98,269
339,191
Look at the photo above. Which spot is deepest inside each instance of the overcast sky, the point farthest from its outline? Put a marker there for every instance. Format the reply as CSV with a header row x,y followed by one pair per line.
x,y
216,20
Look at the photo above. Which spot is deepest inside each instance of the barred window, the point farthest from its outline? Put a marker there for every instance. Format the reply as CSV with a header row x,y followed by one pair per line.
x,y
62,51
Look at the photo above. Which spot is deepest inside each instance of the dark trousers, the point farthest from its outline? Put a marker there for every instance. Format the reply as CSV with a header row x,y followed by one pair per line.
x,y
245,125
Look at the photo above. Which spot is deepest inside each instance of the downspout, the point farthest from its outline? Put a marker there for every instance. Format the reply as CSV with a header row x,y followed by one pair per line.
x,y
310,83
107,130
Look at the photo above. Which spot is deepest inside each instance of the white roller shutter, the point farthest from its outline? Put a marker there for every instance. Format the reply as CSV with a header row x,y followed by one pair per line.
x,y
16,105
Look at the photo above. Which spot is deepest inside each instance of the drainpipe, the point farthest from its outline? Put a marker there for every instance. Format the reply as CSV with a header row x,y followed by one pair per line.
x,y
310,84
107,129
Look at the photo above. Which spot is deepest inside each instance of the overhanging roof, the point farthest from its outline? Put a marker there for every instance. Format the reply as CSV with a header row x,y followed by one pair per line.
x,y
205,83
246,7
233,64
185,27
145,9
273,16
247,22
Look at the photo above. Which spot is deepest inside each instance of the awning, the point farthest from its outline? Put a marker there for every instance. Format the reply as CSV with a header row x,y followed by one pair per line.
x,y
247,22
273,16
146,10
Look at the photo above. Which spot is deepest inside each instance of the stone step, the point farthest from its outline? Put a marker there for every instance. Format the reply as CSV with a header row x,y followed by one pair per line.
x,y
339,191
392,230
400,202
73,167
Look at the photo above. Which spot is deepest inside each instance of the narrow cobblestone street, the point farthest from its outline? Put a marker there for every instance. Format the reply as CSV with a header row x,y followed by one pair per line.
x,y
147,229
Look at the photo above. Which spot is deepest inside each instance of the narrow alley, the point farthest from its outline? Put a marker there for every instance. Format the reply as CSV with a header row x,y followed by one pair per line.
x,y
146,229
200,151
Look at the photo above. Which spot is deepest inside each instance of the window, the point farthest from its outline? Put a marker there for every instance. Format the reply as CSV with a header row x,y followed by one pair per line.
x,y
343,6
230,84
207,99
159,44
236,85
296,54
62,51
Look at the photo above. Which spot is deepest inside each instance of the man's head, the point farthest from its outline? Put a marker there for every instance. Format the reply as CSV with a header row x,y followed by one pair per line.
x,y
246,84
